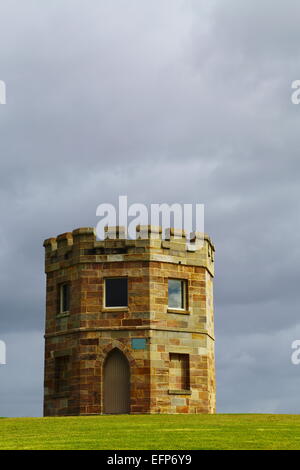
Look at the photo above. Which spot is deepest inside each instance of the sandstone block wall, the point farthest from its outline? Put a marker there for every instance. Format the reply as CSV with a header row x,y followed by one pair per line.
x,y
89,331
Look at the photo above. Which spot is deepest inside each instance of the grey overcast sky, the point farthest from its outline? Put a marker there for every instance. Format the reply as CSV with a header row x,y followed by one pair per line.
x,y
183,101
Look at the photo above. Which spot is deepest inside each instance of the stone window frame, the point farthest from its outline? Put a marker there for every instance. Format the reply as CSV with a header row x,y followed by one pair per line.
x,y
66,354
185,310
122,308
60,311
186,391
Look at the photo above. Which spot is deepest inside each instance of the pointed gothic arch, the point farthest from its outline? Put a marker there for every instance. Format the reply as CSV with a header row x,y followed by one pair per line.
x,y
116,385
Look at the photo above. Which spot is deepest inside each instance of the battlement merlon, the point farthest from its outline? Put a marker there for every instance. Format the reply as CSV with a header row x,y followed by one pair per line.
x,y
82,246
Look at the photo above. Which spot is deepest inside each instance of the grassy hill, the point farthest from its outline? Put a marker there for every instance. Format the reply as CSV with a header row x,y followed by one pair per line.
x,y
153,432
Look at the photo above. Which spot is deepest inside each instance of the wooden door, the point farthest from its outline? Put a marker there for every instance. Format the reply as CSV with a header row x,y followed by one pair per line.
x,y
116,383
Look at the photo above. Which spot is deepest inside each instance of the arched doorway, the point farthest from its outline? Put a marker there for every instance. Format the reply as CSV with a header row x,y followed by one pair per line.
x,y
116,383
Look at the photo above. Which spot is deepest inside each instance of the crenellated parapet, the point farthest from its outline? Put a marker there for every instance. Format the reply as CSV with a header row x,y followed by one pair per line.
x,y
81,246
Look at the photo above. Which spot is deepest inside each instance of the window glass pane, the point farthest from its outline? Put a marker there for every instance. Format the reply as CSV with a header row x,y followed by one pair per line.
x,y
64,298
176,294
116,292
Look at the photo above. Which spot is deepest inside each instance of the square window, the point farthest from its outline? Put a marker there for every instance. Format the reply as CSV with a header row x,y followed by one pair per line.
x,y
64,298
177,294
116,292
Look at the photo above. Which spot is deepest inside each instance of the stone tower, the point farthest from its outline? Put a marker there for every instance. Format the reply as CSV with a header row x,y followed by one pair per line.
x,y
129,324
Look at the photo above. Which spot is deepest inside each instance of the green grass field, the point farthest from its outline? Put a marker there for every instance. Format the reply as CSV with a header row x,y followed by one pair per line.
x,y
154,432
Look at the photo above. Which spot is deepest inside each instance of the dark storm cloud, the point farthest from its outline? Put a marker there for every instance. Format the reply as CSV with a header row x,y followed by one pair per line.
x,y
169,101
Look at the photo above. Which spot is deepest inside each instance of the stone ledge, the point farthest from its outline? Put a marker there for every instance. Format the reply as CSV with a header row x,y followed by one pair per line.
x,y
58,395
62,315
61,353
179,392
114,309
179,311
127,328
